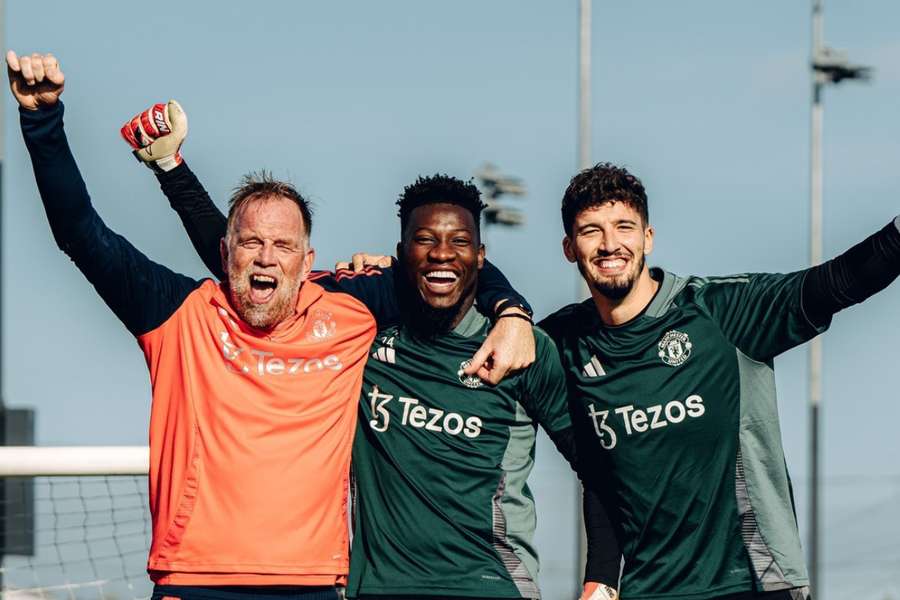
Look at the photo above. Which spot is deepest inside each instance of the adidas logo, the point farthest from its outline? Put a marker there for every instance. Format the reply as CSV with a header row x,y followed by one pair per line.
x,y
593,368
385,355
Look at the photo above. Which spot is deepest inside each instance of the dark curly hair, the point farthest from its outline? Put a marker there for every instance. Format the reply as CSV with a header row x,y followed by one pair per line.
x,y
600,184
440,188
261,184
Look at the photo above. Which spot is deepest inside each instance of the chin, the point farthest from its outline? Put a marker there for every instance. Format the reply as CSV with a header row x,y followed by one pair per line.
x,y
441,303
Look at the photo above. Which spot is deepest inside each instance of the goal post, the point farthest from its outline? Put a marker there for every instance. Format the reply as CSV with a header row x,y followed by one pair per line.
x,y
34,461
87,525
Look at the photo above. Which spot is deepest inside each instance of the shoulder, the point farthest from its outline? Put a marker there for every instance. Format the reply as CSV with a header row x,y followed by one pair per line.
x,y
200,293
337,299
718,286
543,342
567,320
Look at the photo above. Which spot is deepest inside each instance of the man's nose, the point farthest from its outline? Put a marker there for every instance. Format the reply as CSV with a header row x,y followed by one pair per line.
x,y
442,252
266,255
608,242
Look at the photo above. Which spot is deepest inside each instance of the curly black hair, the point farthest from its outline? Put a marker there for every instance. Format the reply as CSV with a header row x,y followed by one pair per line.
x,y
600,184
440,188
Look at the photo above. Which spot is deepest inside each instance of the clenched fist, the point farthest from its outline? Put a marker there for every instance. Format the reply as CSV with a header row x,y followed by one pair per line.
x,y
35,80
156,135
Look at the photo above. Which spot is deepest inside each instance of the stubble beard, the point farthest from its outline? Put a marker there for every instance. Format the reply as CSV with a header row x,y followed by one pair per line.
x,y
614,288
261,316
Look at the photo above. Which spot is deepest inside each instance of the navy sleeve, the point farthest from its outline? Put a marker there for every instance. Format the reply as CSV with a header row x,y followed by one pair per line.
x,y
604,558
493,287
860,272
203,221
376,288
141,293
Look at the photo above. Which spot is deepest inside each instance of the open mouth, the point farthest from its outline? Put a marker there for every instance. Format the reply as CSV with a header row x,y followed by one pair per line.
x,y
611,265
440,281
262,288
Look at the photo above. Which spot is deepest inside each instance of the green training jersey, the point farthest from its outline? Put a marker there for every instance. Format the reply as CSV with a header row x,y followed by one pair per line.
x,y
441,462
678,413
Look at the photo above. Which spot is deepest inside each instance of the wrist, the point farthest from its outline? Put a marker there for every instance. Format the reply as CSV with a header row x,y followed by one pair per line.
x,y
515,313
511,306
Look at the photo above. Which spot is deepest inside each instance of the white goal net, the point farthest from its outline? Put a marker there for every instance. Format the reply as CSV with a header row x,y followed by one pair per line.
x,y
75,523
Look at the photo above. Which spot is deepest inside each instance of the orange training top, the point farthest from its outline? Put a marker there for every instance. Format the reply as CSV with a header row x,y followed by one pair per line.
x,y
250,438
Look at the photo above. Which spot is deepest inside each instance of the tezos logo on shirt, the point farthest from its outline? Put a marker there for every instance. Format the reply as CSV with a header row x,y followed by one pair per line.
x,y
636,420
675,348
415,415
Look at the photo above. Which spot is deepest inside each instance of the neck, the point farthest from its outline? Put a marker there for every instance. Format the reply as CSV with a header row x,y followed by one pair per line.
x,y
462,309
427,321
616,311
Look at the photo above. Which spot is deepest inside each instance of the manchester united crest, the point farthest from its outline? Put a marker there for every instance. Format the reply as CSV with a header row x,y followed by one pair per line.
x,y
675,348
470,381
323,326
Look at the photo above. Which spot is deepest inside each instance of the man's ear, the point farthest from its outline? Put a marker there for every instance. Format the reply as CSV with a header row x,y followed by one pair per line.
x,y
481,256
648,240
223,254
308,262
568,250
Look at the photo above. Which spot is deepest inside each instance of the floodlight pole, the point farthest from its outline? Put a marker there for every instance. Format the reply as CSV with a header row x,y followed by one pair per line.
x,y
828,66
584,85
2,331
584,162
815,258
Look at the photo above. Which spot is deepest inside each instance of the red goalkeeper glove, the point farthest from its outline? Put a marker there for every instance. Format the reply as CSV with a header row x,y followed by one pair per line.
x,y
156,135
598,591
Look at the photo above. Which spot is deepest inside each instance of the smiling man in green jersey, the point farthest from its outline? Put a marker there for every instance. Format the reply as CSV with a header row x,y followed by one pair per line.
x,y
441,460
672,383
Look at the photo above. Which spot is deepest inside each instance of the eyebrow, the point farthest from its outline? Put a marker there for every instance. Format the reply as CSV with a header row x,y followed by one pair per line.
x,y
458,230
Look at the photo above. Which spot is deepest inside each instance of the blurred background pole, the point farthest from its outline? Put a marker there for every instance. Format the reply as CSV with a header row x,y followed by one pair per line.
x,y
828,66
584,85
2,156
584,161
584,105
815,257
2,406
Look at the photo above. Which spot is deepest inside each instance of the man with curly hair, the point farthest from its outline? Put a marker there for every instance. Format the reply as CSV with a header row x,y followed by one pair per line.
x,y
673,390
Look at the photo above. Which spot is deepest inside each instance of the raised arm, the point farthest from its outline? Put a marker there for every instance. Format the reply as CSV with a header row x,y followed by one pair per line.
x,y
764,314
141,293
848,279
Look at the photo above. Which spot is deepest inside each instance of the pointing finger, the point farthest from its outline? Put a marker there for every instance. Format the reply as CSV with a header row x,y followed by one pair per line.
x,y
478,360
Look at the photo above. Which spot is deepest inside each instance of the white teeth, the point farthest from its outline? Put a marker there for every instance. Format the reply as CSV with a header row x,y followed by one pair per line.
x,y
442,275
263,278
611,264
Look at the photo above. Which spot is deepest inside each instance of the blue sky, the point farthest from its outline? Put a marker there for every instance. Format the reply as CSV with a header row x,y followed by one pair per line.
x,y
707,101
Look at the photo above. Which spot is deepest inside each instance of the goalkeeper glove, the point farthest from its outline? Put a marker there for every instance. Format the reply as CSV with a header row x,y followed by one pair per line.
x,y
156,135
598,591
